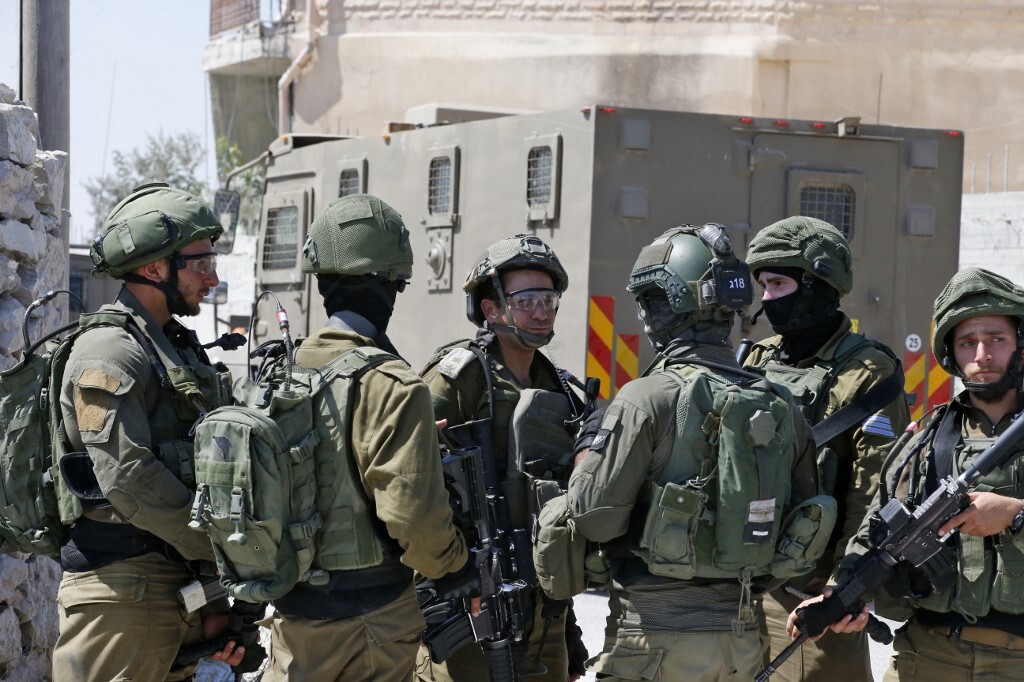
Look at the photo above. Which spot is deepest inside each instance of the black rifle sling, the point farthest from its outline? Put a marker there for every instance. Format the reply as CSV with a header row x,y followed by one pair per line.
x,y
940,458
862,407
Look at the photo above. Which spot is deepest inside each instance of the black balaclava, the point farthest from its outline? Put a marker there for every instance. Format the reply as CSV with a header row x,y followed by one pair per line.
x,y
806,318
371,297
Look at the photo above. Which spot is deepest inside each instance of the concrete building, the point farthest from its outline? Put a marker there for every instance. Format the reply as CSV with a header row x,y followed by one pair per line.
x,y
349,66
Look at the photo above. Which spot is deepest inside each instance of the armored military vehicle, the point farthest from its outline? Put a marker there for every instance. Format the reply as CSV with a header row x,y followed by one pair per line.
x,y
600,182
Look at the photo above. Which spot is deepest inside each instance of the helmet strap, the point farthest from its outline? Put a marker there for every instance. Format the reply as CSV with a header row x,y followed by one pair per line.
x,y
176,303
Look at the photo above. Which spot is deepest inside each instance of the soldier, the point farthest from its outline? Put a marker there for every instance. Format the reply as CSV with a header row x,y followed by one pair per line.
x,y
804,268
689,475
974,629
135,383
389,513
512,296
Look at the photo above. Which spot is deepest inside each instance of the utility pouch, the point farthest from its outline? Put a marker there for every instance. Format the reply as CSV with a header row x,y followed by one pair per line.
x,y
670,530
805,534
78,475
597,569
559,551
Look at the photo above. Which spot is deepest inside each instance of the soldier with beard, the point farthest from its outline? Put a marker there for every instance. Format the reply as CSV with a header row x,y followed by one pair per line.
x,y
849,387
975,628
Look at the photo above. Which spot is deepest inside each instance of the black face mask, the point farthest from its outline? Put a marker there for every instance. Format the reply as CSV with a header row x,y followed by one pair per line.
x,y
814,304
373,298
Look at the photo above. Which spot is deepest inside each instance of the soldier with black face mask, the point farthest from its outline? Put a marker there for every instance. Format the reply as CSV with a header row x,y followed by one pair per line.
x,y
804,267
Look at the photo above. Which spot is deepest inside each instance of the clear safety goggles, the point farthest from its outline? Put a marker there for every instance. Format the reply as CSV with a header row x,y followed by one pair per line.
x,y
529,300
204,263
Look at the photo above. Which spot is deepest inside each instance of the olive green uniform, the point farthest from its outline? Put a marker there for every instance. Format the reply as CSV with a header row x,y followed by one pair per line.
x,y
851,477
987,602
665,629
394,448
459,393
119,613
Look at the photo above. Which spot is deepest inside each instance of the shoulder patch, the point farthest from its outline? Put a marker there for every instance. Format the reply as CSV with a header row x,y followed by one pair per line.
x,y
454,362
878,425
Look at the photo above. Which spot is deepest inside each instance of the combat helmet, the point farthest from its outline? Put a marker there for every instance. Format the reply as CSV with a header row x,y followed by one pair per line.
x,y
520,252
154,222
356,235
811,245
974,292
695,268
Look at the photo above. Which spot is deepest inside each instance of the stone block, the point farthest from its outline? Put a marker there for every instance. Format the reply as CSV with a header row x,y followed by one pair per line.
x,y
17,195
47,224
48,181
21,242
9,279
19,130
7,94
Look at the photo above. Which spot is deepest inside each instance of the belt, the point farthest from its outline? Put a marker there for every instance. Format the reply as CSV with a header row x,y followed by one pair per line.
x,y
987,636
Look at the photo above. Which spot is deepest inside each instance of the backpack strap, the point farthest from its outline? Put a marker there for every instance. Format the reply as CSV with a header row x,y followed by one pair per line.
x,y
940,459
860,408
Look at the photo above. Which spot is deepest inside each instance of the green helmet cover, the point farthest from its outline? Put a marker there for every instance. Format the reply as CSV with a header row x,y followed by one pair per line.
x,y
358,235
972,292
152,223
521,252
812,245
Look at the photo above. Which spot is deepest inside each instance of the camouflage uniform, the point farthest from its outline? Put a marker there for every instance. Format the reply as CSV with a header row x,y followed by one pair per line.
x,y
395,449
462,398
131,551
848,366
365,624
666,628
975,628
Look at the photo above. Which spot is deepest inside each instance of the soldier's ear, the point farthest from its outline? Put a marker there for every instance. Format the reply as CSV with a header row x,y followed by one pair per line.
x,y
490,309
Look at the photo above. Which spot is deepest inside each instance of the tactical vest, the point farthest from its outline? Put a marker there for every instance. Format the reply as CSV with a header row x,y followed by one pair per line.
x,y
716,508
810,387
351,537
991,569
191,388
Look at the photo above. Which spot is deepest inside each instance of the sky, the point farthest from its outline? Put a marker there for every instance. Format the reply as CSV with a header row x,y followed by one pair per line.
x,y
136,70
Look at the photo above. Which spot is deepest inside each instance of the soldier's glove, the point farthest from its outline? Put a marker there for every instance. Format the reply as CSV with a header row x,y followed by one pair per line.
x,y
463,583
578,653
588,431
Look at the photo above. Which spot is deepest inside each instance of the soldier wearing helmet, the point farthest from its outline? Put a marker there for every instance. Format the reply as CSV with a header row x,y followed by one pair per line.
x,y
513,293
688,475
388,515
804,267
974,628
135,382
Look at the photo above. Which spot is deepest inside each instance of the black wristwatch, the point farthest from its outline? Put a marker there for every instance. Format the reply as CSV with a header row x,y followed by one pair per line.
x,y
1017,525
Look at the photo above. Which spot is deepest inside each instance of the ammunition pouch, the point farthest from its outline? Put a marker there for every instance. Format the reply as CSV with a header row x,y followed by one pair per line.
x,y
559,551
805,534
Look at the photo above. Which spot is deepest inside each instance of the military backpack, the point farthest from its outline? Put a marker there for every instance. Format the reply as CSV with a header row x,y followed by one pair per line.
x,y
256,476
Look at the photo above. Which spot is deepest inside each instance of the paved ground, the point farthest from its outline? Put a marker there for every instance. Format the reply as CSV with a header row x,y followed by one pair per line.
x,y
592,609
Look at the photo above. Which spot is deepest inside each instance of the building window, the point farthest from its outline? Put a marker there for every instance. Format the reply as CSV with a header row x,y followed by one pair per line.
x,y
539,176
348,182
281,246
76,285
439,186
831,203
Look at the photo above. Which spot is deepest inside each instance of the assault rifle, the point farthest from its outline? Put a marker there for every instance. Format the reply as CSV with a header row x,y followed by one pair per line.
x,y
903,539
502,556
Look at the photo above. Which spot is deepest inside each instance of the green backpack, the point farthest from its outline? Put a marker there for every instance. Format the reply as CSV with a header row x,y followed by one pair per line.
x,y
718,508
33,439
256,477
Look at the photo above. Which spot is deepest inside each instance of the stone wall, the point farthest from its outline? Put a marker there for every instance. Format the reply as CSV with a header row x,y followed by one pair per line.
x,y
33,260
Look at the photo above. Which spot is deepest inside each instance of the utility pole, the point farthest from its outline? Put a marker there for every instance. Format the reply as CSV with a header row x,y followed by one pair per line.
x,y
45,81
